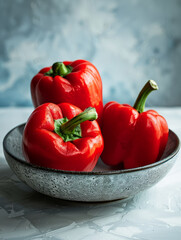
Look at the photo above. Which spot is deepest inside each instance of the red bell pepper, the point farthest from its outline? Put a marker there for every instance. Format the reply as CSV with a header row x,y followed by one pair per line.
x,y
133,137
60,137
75,82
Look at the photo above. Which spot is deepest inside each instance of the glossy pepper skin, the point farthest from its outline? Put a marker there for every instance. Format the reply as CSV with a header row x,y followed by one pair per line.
x,y
133,138
77,82
42,146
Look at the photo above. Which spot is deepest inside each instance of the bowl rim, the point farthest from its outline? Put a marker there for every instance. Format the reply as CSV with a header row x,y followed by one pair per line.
x,y
109,172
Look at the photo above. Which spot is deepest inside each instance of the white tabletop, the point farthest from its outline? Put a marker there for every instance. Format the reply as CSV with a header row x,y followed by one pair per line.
x,y
154,214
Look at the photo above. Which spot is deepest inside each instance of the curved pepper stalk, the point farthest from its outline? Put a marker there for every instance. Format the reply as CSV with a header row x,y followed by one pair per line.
x,y
150,86
70,130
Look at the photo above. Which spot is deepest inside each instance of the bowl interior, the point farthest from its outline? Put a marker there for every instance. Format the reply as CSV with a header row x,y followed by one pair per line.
x,y
13,146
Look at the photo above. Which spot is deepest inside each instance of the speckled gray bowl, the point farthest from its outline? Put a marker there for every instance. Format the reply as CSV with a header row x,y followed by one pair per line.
x,y
103,184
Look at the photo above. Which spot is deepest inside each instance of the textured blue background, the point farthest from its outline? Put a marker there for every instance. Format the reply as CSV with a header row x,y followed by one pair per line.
x,y
128,41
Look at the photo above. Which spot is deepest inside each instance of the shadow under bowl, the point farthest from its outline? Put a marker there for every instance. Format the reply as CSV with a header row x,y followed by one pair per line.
x,y
102,184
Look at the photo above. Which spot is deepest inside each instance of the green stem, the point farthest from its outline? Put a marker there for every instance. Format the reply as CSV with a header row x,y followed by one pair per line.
x,y
59,68
70,130
89,114
141,99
